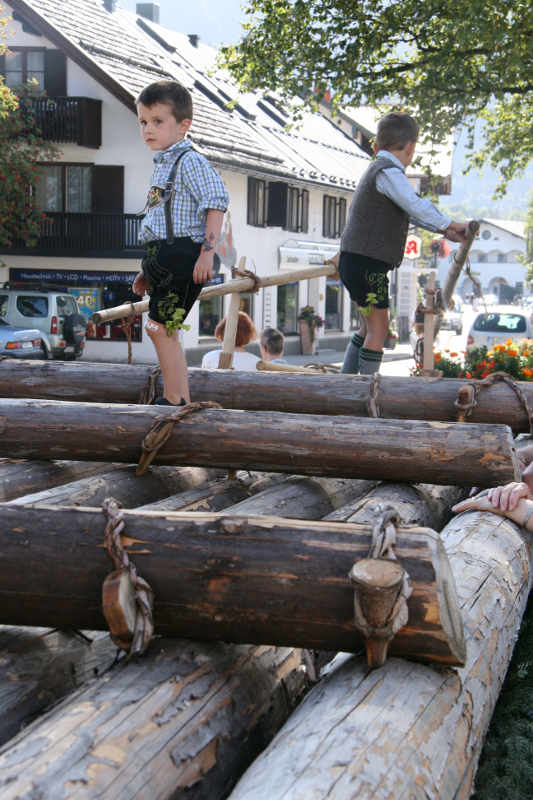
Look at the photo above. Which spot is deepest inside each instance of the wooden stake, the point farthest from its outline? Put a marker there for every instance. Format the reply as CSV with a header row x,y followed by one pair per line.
x,y
225,360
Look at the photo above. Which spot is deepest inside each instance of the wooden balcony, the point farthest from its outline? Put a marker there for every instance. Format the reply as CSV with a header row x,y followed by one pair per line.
x,y
89,235
77,120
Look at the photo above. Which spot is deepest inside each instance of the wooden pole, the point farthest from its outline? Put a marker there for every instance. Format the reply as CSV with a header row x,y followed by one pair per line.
x,y
225,359
409,730
239,285
429,326
309,393
340,447
265,580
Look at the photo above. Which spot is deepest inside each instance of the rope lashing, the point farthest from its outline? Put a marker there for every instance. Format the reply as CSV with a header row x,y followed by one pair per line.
x,y
144,596
468,395
161,429
246,273
381,588
149,390
373,407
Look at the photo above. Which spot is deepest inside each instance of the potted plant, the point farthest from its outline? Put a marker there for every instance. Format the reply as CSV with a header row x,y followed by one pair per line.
x,y
309,322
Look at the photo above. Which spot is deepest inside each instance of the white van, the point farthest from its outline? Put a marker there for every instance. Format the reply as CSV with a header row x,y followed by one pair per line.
x,y
55,314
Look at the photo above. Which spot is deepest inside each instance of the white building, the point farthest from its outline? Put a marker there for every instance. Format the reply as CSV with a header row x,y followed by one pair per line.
x,y
494,260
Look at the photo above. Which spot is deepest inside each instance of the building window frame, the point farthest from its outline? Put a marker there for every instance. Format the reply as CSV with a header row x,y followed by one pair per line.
x,y
333,216
257,202
297,210
27,73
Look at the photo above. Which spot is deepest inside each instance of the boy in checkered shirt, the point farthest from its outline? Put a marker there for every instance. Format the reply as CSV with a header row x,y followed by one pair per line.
x,y
184,213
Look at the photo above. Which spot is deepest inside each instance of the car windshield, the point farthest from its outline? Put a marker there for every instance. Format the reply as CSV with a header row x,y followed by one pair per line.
x,y
500,323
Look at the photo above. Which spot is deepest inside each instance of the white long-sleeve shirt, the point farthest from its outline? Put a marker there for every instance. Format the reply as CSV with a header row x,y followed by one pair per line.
x,y
394,184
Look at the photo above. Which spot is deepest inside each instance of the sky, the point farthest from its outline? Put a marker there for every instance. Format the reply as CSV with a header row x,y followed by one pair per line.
x,y
215,21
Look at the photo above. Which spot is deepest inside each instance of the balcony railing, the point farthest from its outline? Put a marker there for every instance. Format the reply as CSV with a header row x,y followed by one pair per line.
x,y
70,119
111,235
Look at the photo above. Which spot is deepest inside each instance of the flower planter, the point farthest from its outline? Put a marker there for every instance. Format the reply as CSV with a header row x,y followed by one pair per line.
x,y
308,341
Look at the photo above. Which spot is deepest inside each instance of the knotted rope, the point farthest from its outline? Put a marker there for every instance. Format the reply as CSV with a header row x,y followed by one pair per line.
x,y
373,407
149,390
144,596
246,273
161,429
468,395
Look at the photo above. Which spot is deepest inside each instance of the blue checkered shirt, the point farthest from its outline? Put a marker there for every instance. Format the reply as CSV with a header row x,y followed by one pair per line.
x,y
198,187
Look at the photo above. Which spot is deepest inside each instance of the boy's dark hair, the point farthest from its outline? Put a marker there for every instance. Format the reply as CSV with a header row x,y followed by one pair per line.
x,y
246,331
272,340
395,130
170,92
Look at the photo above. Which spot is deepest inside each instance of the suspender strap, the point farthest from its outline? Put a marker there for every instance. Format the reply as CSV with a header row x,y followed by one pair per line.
x,y
168,196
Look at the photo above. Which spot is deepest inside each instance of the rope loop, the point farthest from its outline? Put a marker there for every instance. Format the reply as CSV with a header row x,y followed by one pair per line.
x,y
373,407
149,390
246,273
161,429
466,402
144,596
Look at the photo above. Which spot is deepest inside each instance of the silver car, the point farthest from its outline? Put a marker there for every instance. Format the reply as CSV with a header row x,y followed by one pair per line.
x,y
18,342
499,323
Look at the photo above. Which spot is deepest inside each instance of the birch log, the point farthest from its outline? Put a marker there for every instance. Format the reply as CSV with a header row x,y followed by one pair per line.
x,y
39,666
341,447
398,398
408,730
263,580
183,722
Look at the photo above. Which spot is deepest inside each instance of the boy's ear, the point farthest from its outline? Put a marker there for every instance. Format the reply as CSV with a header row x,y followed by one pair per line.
x,y
185,124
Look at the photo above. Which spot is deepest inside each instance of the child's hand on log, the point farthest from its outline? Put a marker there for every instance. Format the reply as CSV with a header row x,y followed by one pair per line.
x,y
499,499
140,285
480,502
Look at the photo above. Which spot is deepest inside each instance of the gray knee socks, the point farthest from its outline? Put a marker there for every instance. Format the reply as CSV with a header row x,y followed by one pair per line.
x,y
351,357
369,361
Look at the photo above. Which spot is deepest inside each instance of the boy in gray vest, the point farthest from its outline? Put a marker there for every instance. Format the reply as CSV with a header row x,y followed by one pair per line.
x,y
373,240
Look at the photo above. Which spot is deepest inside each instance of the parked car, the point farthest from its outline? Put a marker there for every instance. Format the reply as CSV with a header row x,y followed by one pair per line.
x,y
55,315
453,318
18,342
498,324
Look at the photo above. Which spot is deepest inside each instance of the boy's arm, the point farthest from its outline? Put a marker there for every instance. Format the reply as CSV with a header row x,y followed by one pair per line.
x,y
394,184
203,269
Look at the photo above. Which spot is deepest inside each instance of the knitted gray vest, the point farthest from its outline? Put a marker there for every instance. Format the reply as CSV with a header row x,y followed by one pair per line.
x,y
376,227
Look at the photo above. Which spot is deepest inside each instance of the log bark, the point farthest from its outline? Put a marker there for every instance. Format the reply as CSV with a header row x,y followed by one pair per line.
x,y
127,488
40,666
19,476
342,447
309,393
183,722
265,579
409,730
215,496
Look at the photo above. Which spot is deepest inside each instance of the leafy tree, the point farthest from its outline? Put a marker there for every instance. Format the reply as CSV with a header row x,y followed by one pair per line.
x,y
21,148
447,61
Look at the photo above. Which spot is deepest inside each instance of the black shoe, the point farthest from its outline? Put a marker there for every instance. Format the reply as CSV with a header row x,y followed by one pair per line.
x,y
162,401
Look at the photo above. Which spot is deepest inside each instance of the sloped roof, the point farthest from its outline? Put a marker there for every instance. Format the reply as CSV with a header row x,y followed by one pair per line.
x,y
126,52
515,226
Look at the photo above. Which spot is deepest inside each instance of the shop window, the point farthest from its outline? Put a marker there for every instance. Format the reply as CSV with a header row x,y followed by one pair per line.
x,y
298,210
333,321
257,202
107,295
333,216
247,303
287,310
210,312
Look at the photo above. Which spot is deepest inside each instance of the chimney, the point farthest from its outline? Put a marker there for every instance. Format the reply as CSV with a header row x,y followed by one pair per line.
x,y
148,11
110,5
194,38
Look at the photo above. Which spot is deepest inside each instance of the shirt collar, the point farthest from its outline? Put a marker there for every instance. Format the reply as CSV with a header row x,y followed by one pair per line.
x,y
171,152
391,157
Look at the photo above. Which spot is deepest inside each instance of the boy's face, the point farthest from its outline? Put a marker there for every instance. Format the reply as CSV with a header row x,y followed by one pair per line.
x,y
159,127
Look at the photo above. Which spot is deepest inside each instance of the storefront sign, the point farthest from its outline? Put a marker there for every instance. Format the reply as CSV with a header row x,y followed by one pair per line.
x,y
413,247
74,277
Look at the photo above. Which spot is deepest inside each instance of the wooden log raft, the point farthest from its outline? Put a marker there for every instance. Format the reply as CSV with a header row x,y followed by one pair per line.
x,y
39,666
127,488
409,730
397,398
266,579
343,447
183,722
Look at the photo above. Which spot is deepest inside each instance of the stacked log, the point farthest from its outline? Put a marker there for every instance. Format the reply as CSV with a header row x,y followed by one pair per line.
x,y
407,730
20,476
342,447
429,399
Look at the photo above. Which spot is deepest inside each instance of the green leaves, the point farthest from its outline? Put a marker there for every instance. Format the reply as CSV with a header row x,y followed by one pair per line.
x,y
446,61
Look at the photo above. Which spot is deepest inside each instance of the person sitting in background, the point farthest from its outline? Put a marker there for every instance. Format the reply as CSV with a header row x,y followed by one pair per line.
x,y
246,333
271,345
